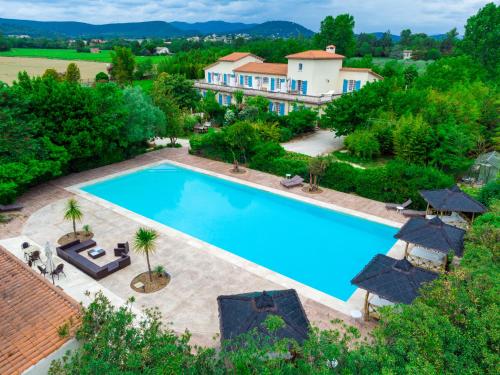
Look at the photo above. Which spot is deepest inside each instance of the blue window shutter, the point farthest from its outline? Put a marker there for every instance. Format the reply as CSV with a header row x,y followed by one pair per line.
x,y
270,106
228,99
344,88
294,84
358,85
282,109
304,87
225,78
209,77
250,81
241,80
272,84
220,99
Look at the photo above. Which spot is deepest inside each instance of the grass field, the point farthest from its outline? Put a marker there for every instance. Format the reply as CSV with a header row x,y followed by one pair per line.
x,y
421,65
11,66
146,85
68,54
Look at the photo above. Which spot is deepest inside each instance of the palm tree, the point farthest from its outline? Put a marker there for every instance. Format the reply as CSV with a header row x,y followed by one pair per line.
x,y
145,243
73,213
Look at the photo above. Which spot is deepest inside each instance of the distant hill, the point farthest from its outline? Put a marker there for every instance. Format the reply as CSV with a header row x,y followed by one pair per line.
x,y
213,27
396,38
81,29
284,29
148,29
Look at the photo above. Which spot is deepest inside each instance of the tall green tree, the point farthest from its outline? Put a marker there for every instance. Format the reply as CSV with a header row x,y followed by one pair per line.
x,y
145,244
178,88
482,33
72,73
338,31
73,213
123,65
241,137
144,120
449,42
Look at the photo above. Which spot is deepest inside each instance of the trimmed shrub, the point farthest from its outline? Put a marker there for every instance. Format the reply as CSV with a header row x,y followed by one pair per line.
x,y
265,154
285,134
363,144
489,193
211,145
101,77
341,177
398,181
8,192
302,120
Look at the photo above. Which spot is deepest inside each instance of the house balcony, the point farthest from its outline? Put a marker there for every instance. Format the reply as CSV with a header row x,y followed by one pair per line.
x,y
281,95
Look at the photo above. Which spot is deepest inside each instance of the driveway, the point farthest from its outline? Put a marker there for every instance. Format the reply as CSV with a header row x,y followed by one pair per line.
x,y
319,143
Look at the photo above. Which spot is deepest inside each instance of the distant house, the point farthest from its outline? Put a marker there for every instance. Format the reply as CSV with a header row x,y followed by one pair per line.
x,y
407,54
162,51
95,50
32,314
312,78
24,36
97,41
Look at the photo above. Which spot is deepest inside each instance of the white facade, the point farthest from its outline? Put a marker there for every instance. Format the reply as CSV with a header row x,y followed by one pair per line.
x,y
311,78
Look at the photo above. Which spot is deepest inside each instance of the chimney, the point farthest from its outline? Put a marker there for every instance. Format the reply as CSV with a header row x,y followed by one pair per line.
x,y
330,48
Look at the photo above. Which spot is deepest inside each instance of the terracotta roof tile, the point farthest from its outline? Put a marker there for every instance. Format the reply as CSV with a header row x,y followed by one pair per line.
x,y
235,56
263,68
31,311
347,69
315,55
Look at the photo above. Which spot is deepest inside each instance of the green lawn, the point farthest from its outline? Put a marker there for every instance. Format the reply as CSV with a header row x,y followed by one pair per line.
x,y
421,65
146,85
68,54
347,157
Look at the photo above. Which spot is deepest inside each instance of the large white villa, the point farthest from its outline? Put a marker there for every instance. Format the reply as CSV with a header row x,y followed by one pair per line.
x,y
312,78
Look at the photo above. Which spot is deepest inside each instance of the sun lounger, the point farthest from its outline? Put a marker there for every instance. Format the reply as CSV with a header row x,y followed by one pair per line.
x,y
413,213
292,182
397,206
10,207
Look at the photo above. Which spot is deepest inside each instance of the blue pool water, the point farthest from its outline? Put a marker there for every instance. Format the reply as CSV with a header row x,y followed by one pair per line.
x,y
321,248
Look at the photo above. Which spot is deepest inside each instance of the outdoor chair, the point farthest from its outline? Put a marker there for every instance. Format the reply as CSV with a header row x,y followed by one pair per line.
x,y
58,271
24,246
413,213
121,249
397,206
292,182
34,257
43,270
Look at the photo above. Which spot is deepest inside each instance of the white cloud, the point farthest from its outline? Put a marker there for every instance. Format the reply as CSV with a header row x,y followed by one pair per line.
x,y
431,16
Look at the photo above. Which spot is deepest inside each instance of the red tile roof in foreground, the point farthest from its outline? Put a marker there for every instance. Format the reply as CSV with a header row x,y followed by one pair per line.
x,y
315,55
263,68
31,311
367,70
235,56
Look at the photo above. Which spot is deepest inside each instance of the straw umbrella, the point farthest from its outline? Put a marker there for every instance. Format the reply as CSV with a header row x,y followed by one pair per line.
x,y
49,266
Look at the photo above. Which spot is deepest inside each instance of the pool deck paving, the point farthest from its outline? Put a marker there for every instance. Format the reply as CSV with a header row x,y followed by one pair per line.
x,y
200,272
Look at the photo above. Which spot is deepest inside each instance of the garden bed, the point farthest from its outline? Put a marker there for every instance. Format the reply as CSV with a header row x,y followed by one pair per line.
x,y
80,235
142,283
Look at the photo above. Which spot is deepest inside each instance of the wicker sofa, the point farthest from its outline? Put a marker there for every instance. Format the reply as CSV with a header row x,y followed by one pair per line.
x,y
71,254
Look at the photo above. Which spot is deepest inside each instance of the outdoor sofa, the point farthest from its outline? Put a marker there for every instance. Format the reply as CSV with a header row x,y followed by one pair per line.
x,y
71,254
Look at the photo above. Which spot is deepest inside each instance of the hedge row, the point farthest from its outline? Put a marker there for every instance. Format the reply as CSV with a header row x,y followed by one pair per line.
x,y
395,182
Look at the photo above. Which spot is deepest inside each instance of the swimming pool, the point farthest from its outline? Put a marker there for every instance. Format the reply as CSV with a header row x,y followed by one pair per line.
x,y
318,247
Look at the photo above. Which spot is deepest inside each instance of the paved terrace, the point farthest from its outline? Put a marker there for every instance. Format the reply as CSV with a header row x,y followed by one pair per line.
x,y
189,301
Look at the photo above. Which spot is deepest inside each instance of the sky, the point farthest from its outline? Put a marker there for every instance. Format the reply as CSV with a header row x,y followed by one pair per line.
x,y
429,16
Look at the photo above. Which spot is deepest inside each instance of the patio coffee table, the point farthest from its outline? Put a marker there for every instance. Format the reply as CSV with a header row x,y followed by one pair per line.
x,y
96,253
